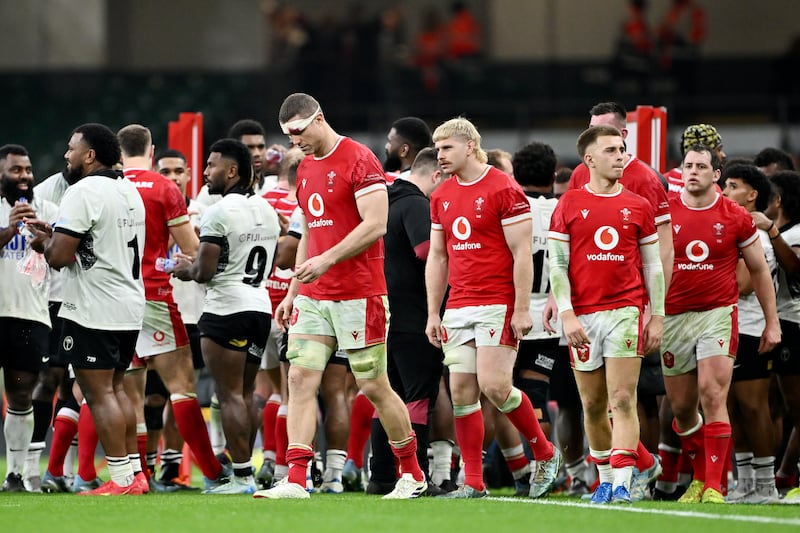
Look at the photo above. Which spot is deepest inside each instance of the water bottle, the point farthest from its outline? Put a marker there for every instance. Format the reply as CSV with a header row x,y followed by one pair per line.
x,y
21,224
274,156
165,264
22,228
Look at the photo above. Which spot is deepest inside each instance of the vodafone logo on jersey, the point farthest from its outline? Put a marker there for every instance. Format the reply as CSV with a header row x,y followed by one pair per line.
x,y
697,251
462,230
606,238
316,207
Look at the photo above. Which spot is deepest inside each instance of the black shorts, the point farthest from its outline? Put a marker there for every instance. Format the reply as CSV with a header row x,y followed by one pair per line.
x,y
651,380
54,338
194,345
563,389
23,344
96,349
537,355
750,364
787,357
241,332
414,366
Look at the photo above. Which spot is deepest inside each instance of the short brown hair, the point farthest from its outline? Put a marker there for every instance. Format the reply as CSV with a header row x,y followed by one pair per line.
x,y
297,104
134,140
591,134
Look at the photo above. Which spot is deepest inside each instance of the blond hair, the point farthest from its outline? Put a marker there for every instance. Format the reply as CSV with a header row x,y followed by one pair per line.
x,y
464,129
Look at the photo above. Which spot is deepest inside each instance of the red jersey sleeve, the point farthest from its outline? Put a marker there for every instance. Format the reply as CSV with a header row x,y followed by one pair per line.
x,y
513,206
651,189
558,223
367,174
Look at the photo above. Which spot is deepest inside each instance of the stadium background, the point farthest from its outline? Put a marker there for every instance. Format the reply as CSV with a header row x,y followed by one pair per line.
x,y
544,63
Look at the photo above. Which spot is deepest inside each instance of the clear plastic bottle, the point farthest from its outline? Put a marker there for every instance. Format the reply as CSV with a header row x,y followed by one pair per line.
x,y
21,224
165,264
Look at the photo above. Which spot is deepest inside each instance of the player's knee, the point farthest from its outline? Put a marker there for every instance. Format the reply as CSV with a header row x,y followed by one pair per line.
x,y
513,401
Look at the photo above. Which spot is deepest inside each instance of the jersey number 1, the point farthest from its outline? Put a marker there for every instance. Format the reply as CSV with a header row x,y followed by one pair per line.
x,y
134,245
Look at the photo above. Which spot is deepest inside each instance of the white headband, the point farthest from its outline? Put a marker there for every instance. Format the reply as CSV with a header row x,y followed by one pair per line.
x,y
300,124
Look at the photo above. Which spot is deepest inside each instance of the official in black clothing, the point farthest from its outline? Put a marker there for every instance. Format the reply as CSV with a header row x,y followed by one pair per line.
x,y
414,364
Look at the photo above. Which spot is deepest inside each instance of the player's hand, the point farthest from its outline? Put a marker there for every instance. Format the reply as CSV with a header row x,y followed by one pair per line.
x,y
284,312
573,330
41,232
770,338
653,333
20,211
312,269
283,222
433,329
521,323
183,266
550,313
763,222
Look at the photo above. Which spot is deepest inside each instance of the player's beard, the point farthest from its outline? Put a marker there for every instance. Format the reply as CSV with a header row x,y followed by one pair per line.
x,y
73,175
10,191
392,163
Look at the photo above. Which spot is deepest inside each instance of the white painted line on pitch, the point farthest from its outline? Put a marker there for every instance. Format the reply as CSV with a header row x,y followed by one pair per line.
x,y
686,514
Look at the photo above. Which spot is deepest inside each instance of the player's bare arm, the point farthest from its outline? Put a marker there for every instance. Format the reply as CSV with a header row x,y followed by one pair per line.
x,y
19,212
60,249
185,237
373,208
436,271
284,309
764,288
518,239
788,257
286,254
202,268
743,280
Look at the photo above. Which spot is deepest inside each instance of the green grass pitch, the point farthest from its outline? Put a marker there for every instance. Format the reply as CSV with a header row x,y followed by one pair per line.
x,y
352,513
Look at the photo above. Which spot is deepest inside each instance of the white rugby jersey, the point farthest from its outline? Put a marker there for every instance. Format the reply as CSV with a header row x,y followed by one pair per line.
x,y
541,210
247,230
103,288
20,299
751,316
189,295
788,291
53,189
